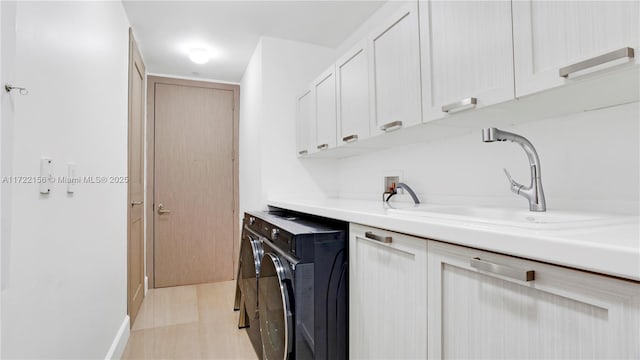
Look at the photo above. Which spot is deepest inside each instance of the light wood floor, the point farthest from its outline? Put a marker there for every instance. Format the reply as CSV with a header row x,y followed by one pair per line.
x,y
189,322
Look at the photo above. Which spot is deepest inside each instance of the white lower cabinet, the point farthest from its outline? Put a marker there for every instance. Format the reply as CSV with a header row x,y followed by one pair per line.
x,y
481,306
387,295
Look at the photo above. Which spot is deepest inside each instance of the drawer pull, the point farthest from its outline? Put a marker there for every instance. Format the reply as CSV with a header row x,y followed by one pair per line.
x,y
350,138
518,274
382,239
303,152
394,125
463,104
323,147
598,60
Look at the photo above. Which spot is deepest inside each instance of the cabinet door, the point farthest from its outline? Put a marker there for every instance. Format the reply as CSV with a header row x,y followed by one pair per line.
x,y
482,306
324,90
352,74
550,35
387,295
467,55
304,128
395,71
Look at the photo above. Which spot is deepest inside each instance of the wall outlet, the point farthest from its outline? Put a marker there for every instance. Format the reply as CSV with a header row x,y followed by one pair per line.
x,y
391,182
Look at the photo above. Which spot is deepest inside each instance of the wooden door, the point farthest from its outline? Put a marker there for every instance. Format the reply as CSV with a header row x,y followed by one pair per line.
x,y
352,75
467,53
135,214
194,182
387,295
395,71
324,90
304,129
549,35
479,310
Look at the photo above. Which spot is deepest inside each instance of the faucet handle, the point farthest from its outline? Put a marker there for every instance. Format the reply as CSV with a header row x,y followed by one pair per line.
x,y
515,187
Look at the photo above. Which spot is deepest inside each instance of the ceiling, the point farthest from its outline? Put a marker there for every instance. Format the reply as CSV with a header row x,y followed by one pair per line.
x,y
167,30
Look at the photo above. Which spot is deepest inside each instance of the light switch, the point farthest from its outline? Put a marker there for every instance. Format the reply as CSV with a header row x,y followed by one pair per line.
x,y
46,175
72,179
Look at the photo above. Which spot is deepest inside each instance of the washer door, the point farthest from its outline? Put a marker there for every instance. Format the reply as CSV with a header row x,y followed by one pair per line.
x,y
251,259
276,316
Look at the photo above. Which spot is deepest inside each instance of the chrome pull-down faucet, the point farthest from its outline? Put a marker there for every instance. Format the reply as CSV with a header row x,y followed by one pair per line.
x,y
533,192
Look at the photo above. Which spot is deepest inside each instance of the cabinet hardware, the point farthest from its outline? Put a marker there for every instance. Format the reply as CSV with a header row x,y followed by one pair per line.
x,y
463,104
303,152
350,138
323,147
137,203
626,52
506,271
394,125
382,239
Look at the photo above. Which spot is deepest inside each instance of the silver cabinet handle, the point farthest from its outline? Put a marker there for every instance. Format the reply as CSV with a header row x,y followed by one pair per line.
x,y
350,138
463,104
303,152
518,274
382,239
323,146
133,203
598,60
394,125
162,210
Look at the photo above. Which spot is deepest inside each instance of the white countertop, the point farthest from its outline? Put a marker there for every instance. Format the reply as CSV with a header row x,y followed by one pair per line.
x,y
612,249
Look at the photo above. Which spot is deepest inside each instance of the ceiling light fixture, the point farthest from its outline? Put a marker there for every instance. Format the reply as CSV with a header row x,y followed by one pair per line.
x,y
199,55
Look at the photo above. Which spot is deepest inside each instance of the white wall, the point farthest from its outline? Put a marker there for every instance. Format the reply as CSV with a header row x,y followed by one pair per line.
x,y
250,145
278,71
7,76
66,292
6,115
288,69
590,161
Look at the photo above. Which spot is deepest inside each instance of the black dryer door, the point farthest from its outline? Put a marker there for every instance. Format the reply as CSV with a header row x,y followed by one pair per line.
x,y
276,314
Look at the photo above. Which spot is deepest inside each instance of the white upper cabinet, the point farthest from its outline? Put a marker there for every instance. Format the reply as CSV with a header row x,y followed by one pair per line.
x,y
467,55
352,75
304,127
324,91
395,71
550,36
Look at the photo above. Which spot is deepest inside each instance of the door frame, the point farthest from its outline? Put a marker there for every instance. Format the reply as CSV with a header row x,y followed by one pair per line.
x,y
134,53
152,80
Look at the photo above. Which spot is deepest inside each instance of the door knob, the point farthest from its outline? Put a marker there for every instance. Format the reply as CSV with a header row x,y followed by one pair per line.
x,y
137,203
162,210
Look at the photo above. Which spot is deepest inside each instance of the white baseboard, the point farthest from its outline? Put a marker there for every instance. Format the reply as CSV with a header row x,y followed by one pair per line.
x,y
120,341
